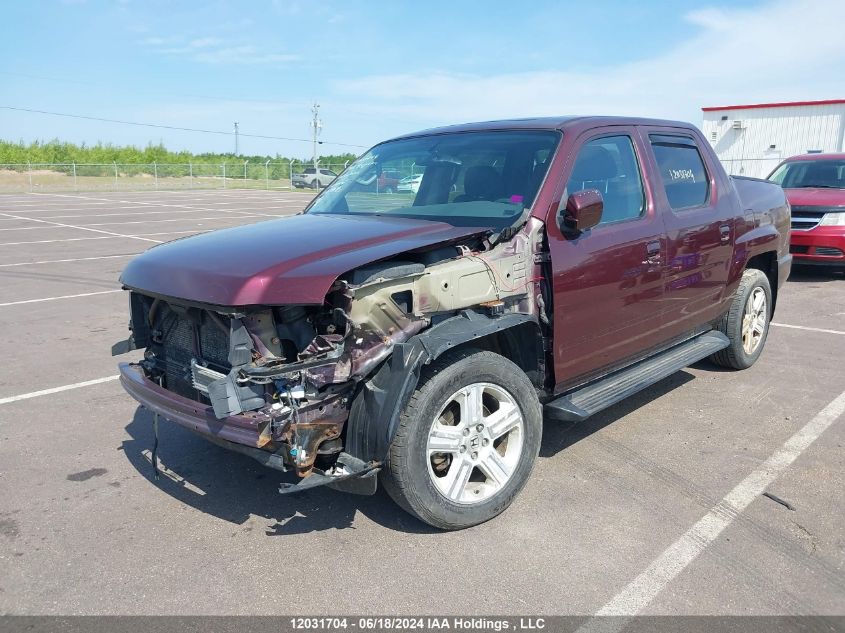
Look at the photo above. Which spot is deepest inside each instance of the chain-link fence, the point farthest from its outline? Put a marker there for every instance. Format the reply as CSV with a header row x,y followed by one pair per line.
x,y
46,177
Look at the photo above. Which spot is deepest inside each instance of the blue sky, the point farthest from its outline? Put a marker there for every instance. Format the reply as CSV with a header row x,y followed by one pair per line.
x,y
383,68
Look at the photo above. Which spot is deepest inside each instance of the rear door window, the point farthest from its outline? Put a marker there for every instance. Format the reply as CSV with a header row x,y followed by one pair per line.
x,y
682,170
609,164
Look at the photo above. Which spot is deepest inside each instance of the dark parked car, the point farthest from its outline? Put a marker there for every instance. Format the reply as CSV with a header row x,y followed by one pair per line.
x,y
544,266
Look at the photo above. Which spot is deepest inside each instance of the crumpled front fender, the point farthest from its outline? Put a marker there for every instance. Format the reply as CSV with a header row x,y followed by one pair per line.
x,y
374,416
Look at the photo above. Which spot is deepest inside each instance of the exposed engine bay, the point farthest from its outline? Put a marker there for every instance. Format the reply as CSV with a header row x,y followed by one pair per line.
x,y
301,365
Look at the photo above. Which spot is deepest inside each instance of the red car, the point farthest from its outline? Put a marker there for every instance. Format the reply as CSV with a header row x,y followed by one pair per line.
x,y
388,180
815,188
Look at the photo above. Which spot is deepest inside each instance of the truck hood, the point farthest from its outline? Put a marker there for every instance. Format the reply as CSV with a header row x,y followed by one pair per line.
x,y
816,197
291,260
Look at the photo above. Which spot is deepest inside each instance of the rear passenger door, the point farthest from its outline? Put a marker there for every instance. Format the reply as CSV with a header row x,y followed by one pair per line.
x,y
607,281
700,228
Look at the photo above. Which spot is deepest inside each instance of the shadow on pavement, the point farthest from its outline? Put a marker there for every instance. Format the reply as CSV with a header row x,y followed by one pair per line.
x,y
233,487
810,274
558,436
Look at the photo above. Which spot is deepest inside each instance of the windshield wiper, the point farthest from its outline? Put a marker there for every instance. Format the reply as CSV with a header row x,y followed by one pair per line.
x,y
819,187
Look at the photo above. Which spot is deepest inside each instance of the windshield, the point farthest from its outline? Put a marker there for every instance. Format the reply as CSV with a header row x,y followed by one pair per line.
x,y
828,174
464,179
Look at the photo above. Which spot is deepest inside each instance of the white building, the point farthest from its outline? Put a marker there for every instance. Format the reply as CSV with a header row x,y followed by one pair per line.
x,y
751,140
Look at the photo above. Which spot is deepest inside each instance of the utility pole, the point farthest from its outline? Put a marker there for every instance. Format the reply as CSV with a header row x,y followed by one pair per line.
x,y
316,128
236,138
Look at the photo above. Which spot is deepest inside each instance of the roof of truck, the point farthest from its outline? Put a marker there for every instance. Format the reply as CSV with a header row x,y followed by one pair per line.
x,y
545,123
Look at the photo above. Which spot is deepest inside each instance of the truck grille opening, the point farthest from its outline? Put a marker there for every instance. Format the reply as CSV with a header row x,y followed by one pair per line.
x,y
193,335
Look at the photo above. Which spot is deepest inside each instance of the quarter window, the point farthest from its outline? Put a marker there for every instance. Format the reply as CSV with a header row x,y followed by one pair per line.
x,y
681,170
609,164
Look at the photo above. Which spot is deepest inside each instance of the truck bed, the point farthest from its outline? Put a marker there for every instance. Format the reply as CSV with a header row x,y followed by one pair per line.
x,y
762,196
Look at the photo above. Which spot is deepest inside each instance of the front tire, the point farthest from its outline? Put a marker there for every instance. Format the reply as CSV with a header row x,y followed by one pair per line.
x,y
466,441
746,323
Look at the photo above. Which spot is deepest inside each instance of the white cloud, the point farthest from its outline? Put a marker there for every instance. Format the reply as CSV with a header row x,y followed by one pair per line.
x,y
155,41
778,51
213,50
203,42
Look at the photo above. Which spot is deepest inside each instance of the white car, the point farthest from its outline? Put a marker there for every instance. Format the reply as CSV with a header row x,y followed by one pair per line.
x,y
411,184
314,178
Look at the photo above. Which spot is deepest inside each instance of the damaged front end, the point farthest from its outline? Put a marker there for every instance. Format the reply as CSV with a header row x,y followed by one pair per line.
x,y
278,382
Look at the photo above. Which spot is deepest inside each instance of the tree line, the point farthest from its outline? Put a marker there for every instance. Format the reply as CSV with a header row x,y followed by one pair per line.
x,y
56,151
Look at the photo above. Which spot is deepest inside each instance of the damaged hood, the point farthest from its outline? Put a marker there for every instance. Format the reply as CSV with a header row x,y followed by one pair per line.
x,y
291,260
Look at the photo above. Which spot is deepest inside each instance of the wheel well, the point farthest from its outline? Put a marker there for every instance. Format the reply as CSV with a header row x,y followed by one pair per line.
x,y
522,344
767,263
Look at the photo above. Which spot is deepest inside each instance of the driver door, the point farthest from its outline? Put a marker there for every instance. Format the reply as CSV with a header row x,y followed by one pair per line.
x,y
608,280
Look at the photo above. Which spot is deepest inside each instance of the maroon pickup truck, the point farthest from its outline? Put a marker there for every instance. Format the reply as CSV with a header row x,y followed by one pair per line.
x,y
544,269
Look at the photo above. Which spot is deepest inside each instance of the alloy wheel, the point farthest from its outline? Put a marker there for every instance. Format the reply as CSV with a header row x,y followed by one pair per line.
x,y
475,443
754,320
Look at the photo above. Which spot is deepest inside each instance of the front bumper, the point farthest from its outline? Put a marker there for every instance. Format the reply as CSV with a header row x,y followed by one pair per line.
x,y
242,433
243,429
819,246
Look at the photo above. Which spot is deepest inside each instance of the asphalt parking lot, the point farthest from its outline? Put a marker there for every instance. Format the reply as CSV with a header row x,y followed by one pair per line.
x,y
616,512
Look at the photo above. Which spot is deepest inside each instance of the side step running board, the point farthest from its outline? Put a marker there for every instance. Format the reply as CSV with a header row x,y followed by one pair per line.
x,y
584,402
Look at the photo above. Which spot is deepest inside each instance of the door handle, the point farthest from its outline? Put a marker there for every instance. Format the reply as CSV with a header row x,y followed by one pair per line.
x,y
653,254
725,233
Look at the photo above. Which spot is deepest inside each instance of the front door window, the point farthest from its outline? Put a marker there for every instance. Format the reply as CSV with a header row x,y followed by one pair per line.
x,y
609,164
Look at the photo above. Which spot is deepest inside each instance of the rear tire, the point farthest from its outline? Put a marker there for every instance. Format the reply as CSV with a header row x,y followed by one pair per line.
x,y
466,441
315,184
746,323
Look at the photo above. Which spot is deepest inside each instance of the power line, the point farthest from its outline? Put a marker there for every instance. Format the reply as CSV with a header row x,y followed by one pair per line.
x,y
271,100
174,127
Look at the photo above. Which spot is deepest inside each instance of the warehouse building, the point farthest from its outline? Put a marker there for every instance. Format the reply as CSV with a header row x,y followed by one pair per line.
x,y
751,140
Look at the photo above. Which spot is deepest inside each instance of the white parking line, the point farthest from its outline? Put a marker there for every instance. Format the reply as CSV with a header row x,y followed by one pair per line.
x,y
47,392
809,329
22,228
192,232
104,237
64,261
227,218
67,239
145,203
145,212
83,228
84,294
645,587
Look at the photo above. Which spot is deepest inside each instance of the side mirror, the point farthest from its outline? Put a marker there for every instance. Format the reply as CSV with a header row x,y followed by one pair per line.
x,y
583,211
